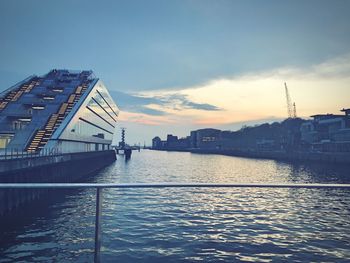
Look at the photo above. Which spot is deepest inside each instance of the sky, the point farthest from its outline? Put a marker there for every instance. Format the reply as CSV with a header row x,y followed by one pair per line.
x,y
176,66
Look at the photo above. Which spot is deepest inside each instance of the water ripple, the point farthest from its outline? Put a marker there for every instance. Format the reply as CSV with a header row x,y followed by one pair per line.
x,y
194,225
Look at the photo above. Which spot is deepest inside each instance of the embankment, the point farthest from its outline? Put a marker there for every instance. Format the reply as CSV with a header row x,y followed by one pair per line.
x,y
324,157
62,168
331,157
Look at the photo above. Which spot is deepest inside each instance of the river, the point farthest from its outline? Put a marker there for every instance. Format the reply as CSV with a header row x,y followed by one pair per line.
x,y
190,225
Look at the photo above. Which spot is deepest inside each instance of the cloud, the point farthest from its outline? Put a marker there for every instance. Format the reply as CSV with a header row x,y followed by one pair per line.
x,y
240,124
143,103
180,102
144,119
230,102
334,68
135,103
319,88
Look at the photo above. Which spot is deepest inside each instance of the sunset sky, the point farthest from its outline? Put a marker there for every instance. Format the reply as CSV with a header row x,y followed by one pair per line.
x,y
175,66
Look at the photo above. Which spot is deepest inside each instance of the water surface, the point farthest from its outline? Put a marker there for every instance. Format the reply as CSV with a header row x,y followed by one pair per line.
x,y
190,225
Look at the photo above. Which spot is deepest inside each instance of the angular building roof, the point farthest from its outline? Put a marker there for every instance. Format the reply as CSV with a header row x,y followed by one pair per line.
x,y
59,107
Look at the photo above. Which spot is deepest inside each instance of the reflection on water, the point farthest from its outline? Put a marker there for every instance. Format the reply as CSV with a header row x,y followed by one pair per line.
x,y
189,225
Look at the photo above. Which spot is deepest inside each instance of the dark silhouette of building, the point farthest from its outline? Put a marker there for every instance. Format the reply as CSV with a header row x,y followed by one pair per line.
x,y
327,132
206,138
324,133
172,143
156,143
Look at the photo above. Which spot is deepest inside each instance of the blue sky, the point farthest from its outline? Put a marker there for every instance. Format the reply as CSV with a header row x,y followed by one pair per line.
x,y
137,47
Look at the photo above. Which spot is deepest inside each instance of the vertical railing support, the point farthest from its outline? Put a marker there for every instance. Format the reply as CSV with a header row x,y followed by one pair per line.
x,y
98,224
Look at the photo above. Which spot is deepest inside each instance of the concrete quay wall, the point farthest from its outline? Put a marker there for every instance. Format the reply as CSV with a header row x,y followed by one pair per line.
x,y
325,157
61,168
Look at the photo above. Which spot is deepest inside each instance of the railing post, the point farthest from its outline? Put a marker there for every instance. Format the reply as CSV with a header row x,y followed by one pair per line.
x,y
98,214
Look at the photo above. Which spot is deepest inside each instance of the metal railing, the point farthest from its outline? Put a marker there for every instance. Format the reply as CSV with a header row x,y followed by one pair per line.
x,y
10,154
100,186
21,153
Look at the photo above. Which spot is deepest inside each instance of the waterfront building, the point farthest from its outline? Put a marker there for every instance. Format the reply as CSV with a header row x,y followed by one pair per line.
x,y
206,138
265,145
172,143
193,139
62,111
324,133
184,143
171,139
327,132
156,143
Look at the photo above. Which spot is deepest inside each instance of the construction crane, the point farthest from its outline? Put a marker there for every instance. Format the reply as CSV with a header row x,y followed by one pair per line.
x,y
292,111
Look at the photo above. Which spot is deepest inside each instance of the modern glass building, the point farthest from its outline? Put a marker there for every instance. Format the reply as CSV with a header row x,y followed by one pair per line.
x,y
65,111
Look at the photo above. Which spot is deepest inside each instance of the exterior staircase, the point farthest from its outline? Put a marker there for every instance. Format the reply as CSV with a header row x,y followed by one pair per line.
x,y
15,94
42,136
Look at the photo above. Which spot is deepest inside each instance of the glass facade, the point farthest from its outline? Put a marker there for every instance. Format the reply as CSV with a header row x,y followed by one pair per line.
x,y
112,108
95,120
4,140
98,111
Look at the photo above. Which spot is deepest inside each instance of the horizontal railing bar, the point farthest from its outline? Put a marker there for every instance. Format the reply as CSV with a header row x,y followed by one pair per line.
x,y
99,186
169,185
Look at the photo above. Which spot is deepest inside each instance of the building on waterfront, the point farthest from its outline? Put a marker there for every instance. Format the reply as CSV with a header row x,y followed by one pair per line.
x,y
62,111
171,140
183,143
172,143
327,132
193,139
156,143
324,133
206,138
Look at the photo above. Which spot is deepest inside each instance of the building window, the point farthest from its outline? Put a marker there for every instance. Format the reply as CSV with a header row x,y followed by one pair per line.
x,y
5,140
38,107
17,125
208,139
57,90
46,97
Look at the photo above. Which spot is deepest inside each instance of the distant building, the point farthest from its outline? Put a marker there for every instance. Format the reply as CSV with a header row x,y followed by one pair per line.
x,y
184,143
156,143
206,138
265,145
66,111
327,132
171,141
193,139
